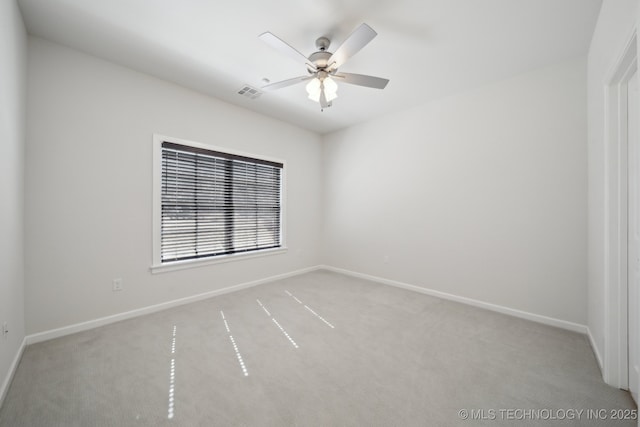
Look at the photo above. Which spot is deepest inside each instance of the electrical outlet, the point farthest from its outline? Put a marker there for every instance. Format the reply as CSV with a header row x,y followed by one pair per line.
x,y
117,285
5,330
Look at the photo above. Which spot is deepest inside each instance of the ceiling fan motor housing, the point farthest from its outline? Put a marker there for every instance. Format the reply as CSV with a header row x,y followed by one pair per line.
x,y
320,59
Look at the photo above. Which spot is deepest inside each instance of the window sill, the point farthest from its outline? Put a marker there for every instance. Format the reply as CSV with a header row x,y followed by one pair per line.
x,y
193,263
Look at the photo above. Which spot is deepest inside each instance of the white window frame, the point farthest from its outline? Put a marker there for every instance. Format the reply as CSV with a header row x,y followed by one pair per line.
x,y
157,265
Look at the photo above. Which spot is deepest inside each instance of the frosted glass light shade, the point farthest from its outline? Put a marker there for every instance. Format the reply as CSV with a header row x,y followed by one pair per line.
x,y
315,88
330,88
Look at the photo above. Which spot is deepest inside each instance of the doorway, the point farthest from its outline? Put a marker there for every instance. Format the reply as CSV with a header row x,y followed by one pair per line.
x,y
633,230
621,361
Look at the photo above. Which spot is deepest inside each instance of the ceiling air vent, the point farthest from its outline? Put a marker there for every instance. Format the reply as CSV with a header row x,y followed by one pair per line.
x,y
249,92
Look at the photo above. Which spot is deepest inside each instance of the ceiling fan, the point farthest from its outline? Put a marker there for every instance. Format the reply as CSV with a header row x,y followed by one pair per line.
x,y
322,66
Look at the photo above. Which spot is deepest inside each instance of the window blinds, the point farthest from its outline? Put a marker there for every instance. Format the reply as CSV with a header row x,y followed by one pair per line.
x,y
216,203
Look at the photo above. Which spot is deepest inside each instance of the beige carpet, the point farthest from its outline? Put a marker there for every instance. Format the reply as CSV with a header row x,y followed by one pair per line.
x,y
319,349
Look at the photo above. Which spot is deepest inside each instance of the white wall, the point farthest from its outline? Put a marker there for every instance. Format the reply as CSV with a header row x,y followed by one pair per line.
x,y
488,190
13,56
89,180
613,29
481,195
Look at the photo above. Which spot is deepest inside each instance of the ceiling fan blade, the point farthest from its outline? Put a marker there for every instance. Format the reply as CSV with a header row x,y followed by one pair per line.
x,y
288,82
352,45
285,48
362,80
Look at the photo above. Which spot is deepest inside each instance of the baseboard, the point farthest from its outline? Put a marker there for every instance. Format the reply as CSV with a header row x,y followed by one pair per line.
x,y
575,327
596,352
91,324
12,370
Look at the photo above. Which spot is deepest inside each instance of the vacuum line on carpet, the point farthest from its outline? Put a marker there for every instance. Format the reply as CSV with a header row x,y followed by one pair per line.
x,y
285,333
235,347
319,317
172,376
264,308
277,324
310,310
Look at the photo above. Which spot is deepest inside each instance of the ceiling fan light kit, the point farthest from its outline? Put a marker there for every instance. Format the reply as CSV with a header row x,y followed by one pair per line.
x,y
322,66
322,84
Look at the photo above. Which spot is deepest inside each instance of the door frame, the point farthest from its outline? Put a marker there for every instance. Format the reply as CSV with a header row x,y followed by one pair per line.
x,y
615,363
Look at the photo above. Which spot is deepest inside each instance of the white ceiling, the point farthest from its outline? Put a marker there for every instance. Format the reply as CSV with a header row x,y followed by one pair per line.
x,y
427,48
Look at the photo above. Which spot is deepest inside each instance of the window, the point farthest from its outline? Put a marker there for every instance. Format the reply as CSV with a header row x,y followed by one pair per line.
x,y
214,203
